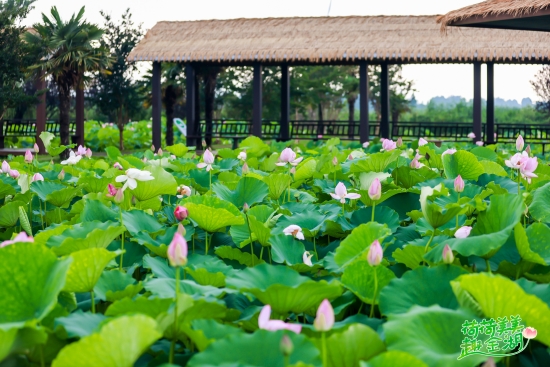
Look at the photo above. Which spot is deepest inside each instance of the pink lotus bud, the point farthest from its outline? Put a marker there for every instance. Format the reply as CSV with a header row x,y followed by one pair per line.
x,y
293,170
399,142
208,157
181,213
472,135
5,167
153,148
335,161
21,237
160,152
479,143
415,164
81,150
366,145
529,333
177,251
519,143
463,232
286,346
112,190
422,142
245,170
28,156
118,166
119,196
350,157
246,208
37,177
89,153
181,229
14,173
528,149
375,254
36,148
459,184
448,257
375,190
388,145
324,320
61,175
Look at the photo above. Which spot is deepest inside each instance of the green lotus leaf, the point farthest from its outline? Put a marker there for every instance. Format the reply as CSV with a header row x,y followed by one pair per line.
x,y
204,332
283,288
532,243
179,150
382,214
86,269
119,343
310,222
249,190
204,277
462,163
423,287
151,307
115,285
91,183
166,288
30,284
540,206
411,256
493,168
359,278
306,169
211,213
542,291
259,226
357,244
5,190
394,358
386,194
80,324
484,153
286,249
277,184
56,194
500,297
160,243
434,213
352,345
97,210
377,162
7,339
163,184
408,177
491,231
84,236
243,258
235,350
9,214
432,334
137,221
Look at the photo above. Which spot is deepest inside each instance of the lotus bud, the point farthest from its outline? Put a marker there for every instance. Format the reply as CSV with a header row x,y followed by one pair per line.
x,y
459,184
242,155
37,177
112,190
160,152
153,148
61,175
36,148
118,166
448,257
89,153
28,156
399,142
519,143
181,213
479,143
463,232
490,362
472,135
375,190
177,250
366,145
422,142
246,208
324,320
529,333
5,167
293,170
204,143
133,200
119,196
286,346
528,149
245,170
375,254
335,161
14,173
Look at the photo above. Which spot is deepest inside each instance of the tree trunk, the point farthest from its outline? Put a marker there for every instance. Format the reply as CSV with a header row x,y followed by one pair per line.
x,y
209,94
120,125
170,97
64,118
198,131
320,122
395,120
351,117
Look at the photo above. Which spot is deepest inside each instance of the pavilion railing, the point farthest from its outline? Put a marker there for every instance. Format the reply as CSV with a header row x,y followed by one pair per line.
x,y
27,128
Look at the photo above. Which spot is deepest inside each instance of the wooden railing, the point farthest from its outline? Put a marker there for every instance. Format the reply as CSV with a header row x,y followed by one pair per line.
x,y
27,128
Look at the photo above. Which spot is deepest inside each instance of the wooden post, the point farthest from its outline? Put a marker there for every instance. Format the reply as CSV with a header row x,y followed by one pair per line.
x,y
40,84
79,116
385,102
190,104
363,102
477,101
490,127
285,103
257,101
157,106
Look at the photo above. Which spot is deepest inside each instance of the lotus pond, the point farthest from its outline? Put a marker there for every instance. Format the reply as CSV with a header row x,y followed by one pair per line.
x,y
303,254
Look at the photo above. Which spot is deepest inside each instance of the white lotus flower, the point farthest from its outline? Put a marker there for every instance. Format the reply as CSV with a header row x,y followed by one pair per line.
x,y
132,176
73,159
295,231
208,160
242,156
307,258
341,193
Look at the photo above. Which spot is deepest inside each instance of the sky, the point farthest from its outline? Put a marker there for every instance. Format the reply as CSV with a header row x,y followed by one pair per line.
x,y
511,81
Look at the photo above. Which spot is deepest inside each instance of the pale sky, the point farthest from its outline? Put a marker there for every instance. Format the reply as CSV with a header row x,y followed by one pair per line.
x,y
511,81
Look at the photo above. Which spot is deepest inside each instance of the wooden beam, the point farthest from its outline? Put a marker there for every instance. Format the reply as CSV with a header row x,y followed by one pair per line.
x,y
477,101
490,127
363,102
190,104
79,116
257,100
157,105
285,103
40,84
385,102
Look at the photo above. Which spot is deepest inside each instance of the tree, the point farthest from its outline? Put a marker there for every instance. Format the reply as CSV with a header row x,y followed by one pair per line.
x,y
116,92
400,89
541,85
15,56
67,51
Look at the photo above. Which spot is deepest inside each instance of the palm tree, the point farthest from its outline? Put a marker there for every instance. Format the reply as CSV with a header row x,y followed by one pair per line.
x,y
68,50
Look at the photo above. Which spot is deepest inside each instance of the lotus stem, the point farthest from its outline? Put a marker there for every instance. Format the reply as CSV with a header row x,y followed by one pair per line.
x,y
42,363
343,210
374,297
429,242
250,237
373,206
519,183
324,348
122,242
175,326
315,249
93,301
457,214
488,266
206,243
262,253
210,180
41,215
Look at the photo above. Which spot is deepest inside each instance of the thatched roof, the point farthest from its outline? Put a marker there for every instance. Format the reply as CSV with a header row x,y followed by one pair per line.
x,y
497,9
403,39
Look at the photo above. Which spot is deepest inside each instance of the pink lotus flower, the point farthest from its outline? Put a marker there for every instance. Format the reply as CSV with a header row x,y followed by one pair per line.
x,y
472,135
14,173
89,153
415,164
118,166
366,144
306,257
81,150
112,190
448,257
519,143
525,164
399,142
5,167
342,194
265,323
463,232
288,156
21,237
181,213
207,160
388,145
459,184
61,175
177,250
294,231
529,333
324,320
479,143
422,142
36,148
245,169
28,156
37,177
183,190
375,254
375,190
448,151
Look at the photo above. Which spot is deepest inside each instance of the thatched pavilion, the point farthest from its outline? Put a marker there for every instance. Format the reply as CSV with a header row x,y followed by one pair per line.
x,y
374,40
